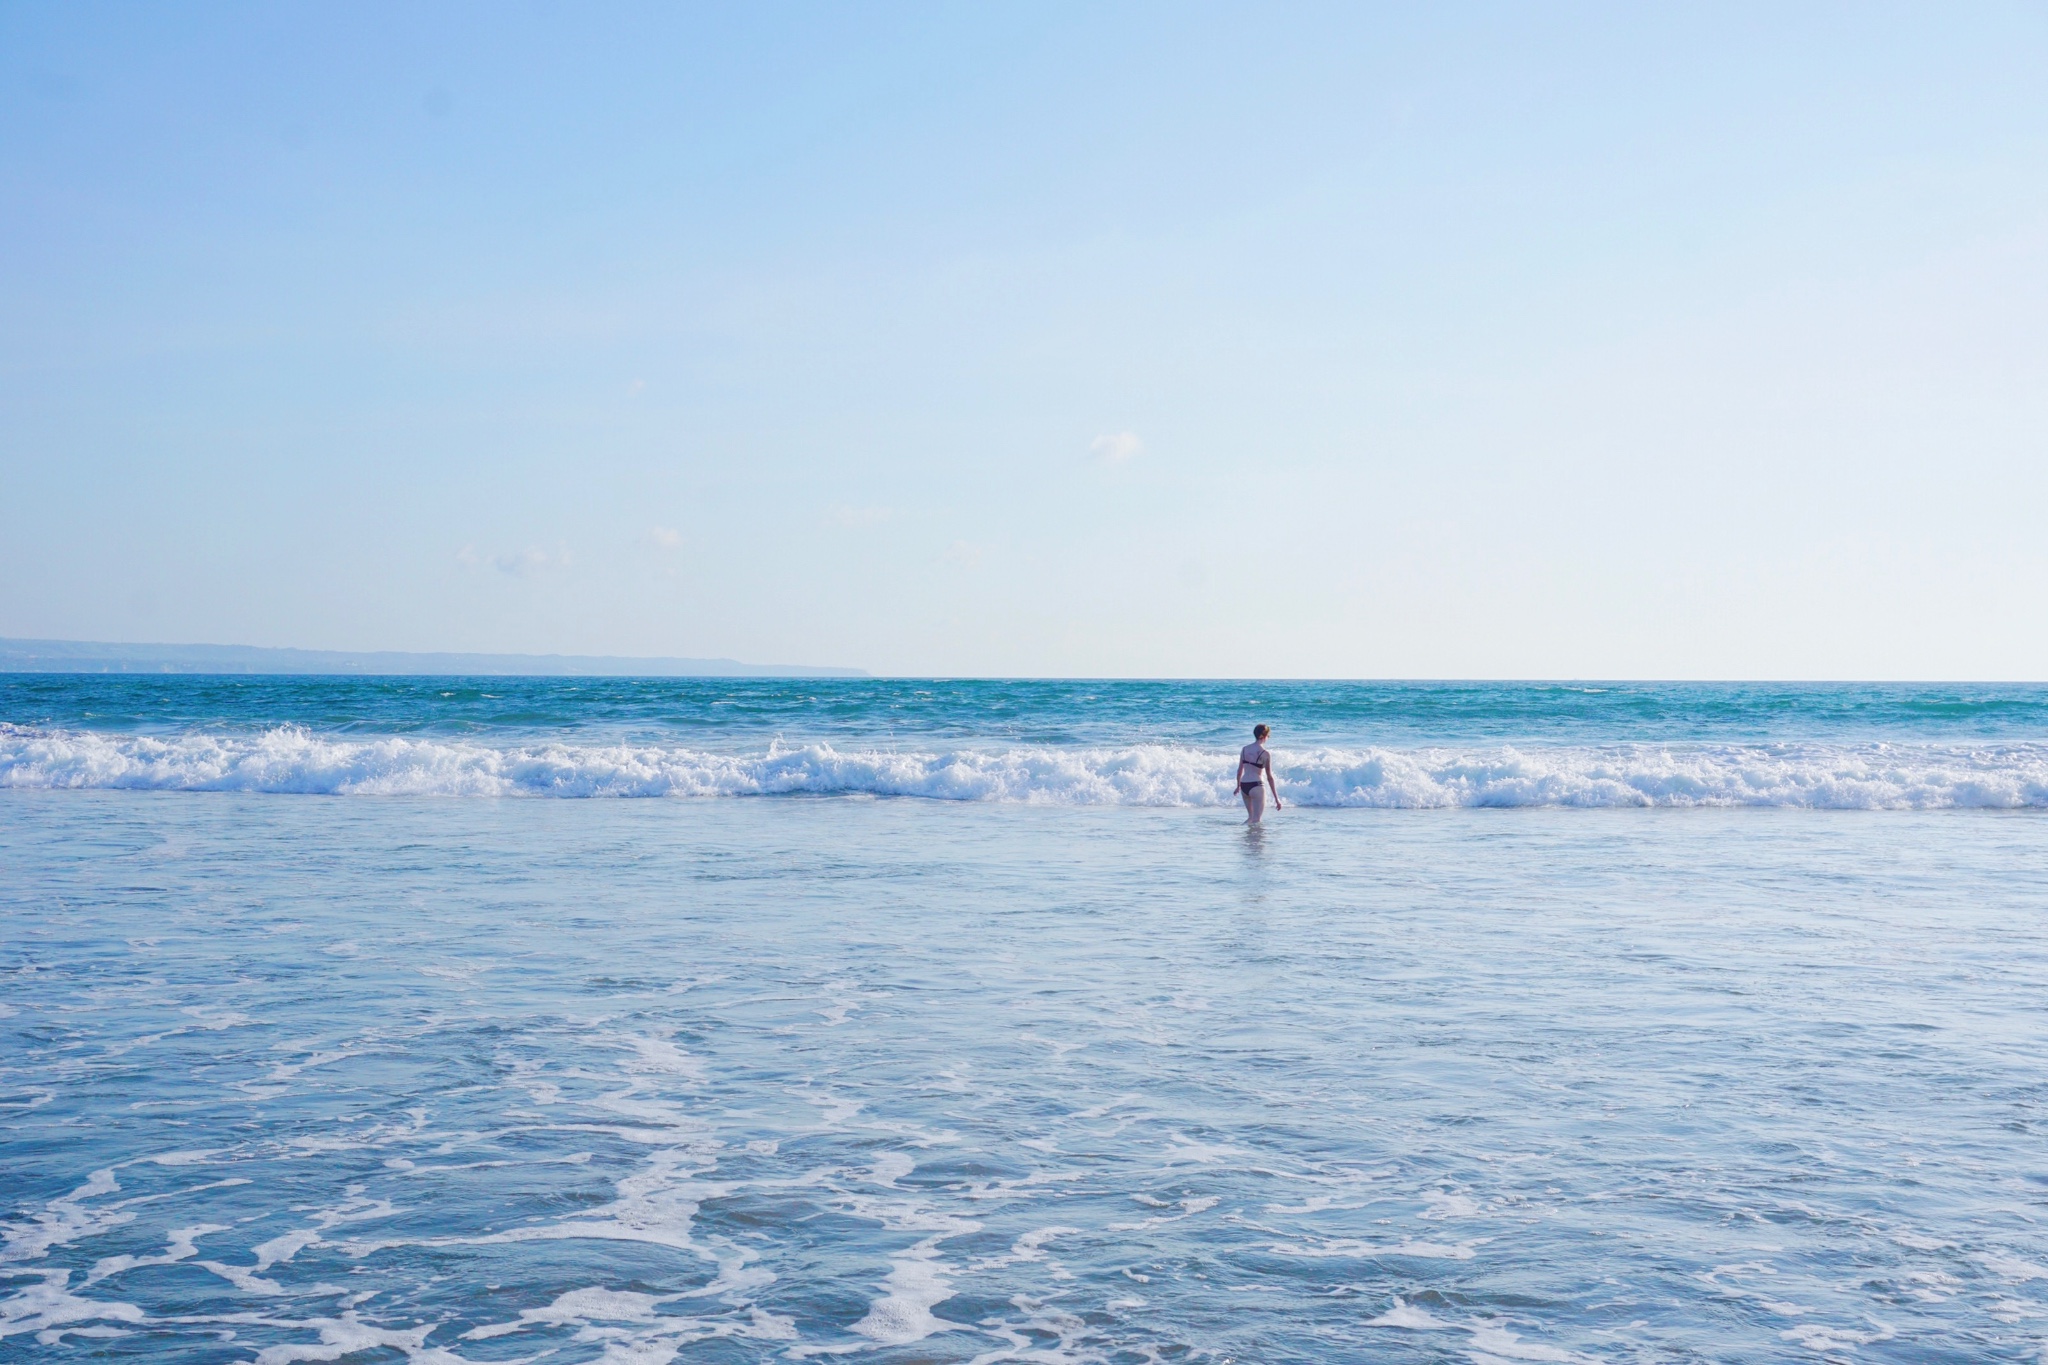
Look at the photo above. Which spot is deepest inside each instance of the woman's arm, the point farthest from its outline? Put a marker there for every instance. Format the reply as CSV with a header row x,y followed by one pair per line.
x,y
1271,785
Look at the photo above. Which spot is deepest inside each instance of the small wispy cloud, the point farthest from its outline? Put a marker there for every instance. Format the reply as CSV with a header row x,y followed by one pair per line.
x,y
861,516
667,537
1115,447
531,560
964,553
518,563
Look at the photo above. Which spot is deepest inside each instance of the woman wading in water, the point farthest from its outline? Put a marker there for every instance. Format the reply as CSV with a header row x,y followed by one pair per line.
x,y
1252,764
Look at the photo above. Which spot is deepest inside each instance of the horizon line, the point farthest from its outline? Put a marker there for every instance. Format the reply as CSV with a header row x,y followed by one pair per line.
x,y
35,655
102,657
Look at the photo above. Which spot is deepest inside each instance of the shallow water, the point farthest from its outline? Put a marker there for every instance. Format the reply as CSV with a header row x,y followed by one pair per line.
x,y
924,1081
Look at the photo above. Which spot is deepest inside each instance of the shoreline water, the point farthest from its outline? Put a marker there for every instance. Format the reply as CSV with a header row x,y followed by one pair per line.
x,y
954,1081
1679,1023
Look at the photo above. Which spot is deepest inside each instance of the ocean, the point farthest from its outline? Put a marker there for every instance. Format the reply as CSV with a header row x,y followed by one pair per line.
x,y
374,1020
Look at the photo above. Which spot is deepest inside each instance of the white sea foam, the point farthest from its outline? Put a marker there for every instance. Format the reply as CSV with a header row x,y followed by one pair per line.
x,y
49,1307
347,1335
65,1220
1407,1315
183,1246
290,760
576,1308
917,1282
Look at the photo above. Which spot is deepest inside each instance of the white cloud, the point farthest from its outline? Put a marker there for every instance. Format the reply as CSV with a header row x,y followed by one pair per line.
x,y
531,560
965,553
1114,447
861,516
667,537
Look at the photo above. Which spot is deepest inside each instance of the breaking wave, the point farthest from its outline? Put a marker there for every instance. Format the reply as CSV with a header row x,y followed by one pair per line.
x,y
288,759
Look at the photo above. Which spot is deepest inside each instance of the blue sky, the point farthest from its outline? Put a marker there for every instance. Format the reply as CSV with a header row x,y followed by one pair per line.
x,y
1410,341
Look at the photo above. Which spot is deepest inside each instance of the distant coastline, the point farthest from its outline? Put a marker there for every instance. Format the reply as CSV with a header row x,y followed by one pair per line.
x,y
93,656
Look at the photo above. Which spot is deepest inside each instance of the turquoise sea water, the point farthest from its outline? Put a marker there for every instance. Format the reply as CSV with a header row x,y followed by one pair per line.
x,y
1624,1024
730,712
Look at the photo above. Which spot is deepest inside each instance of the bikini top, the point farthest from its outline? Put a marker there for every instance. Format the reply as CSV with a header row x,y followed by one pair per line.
x,y
1257,765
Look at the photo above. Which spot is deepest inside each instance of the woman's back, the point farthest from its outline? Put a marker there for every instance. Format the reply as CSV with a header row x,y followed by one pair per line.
x,y
1252,762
